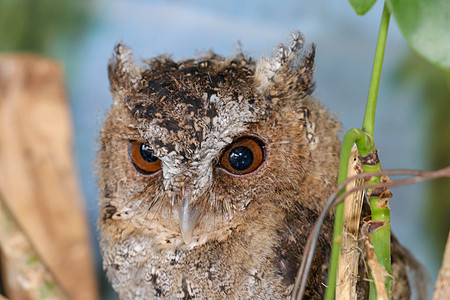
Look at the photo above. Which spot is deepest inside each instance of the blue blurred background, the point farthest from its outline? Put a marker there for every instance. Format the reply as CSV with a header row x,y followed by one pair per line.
x,y
412,129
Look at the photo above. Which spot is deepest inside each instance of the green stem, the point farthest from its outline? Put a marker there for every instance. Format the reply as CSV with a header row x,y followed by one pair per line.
x,y
381,238
352,136
364,141
369,117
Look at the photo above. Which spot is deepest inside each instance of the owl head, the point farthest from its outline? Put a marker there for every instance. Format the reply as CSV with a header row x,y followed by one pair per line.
x,y
196,149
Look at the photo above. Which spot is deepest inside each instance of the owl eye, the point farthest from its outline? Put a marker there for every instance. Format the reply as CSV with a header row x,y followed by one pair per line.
x,y
142,157
244,156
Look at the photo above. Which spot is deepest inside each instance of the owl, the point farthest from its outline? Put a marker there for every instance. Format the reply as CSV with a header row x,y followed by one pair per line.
x,y
212,172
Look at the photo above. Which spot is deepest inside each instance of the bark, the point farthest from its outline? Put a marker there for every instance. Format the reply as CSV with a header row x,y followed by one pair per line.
x,y
37,174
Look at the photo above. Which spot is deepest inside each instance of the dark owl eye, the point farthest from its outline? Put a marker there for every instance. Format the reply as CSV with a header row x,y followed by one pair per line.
x,y
244,156
142,157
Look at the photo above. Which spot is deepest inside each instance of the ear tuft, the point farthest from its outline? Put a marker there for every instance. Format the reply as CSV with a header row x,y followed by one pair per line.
x,y
306,69
295,60
123,71
287,55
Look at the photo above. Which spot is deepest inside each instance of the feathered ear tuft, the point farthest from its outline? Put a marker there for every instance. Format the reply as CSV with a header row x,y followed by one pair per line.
x,y
123,71
289,63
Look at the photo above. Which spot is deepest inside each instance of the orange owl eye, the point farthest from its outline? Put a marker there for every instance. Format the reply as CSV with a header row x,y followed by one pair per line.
x,y
244,156
142,157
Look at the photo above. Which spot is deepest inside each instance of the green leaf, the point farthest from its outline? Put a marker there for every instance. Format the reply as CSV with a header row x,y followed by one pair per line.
x,y
362,6
425,24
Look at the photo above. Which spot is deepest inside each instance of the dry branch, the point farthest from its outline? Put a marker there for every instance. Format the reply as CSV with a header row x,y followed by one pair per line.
x,y
349,256
37,174
31,276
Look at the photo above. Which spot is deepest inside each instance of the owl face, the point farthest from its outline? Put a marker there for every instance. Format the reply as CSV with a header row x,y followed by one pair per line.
x,y
191,150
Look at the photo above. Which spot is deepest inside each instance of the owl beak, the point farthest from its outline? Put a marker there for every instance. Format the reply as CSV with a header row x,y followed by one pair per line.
x,y
189,216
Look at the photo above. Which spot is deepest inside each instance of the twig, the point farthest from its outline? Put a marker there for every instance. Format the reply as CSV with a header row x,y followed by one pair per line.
x,y
305,266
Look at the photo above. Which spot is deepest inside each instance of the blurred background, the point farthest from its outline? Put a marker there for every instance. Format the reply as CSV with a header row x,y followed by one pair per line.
x,y
412,127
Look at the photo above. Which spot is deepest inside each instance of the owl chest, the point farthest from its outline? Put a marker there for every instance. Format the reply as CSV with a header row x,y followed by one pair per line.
x,y
217,271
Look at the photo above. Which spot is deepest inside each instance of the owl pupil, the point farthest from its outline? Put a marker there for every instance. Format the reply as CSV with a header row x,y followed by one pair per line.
x,y
147,153
240,158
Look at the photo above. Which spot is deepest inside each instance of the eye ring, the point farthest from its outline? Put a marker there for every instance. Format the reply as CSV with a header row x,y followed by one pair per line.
x,y
142,158
244,156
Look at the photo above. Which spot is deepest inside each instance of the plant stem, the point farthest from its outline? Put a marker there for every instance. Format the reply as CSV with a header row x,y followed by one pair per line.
x,y
352,136
364,141
369,117
380,238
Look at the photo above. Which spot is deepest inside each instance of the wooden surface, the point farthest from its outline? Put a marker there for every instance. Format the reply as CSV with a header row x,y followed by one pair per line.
x,y
349,255
37,174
